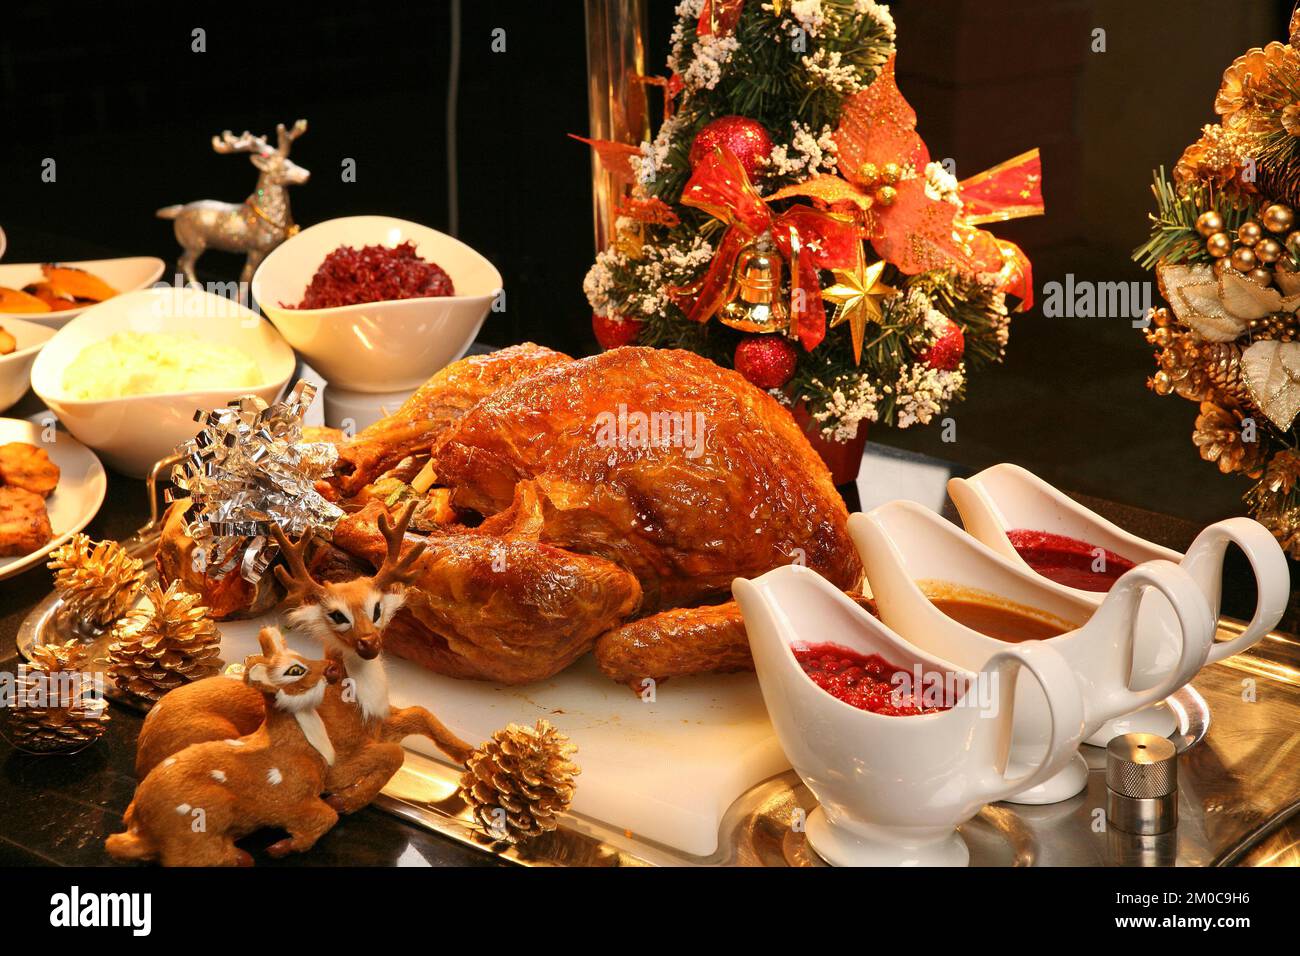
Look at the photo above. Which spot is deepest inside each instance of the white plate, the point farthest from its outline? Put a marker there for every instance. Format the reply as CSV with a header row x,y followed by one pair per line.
x,y
16,367
72,505
124,275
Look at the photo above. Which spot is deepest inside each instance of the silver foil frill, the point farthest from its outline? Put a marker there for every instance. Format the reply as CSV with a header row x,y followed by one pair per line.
x,y
246,470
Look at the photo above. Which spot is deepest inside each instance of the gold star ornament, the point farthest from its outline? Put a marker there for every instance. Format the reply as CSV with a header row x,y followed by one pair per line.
x,y
857,295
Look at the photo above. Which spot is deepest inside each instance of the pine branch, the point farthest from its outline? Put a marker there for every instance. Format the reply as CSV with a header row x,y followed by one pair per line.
x,y
1174,237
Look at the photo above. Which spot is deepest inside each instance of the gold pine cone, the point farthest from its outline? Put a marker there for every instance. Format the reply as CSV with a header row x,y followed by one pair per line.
x,y
73,716
97,581
173,642
520,780
1218,436
1222,364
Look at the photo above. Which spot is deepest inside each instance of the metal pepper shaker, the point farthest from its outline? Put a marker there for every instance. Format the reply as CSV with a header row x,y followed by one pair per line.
x,y
1142,784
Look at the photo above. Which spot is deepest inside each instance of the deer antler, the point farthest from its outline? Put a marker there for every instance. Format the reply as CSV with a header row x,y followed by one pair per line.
x,y
287,136
396,568
300,586
245,142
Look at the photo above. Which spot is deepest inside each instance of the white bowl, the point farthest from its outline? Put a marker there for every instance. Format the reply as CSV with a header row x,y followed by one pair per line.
x,y
135,432
16,367
124,275
377,346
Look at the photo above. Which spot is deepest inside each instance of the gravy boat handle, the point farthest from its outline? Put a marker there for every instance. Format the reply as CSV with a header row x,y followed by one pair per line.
x,y
1204,562
1064,704
1118,613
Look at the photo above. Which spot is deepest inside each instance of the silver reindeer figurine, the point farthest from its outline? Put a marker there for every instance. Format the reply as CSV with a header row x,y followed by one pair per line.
x,y
255,226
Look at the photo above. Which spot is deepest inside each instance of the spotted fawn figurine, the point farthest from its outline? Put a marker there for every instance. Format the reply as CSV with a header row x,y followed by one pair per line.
x,y
255,226
194,805
349,618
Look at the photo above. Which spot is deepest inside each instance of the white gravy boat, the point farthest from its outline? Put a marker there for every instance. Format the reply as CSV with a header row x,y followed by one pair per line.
x,y
892,789
1007,497
903,543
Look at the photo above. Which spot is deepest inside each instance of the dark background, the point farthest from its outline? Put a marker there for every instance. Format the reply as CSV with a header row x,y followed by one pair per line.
x,y
115,95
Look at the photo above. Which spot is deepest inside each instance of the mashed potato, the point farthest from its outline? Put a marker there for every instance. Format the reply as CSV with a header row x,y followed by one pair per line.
x,y
149,363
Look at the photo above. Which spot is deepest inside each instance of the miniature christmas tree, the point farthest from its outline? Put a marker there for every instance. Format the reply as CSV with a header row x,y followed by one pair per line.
x,y
787,221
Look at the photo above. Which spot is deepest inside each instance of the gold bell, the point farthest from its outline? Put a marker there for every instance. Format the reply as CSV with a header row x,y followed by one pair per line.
x,y
756,304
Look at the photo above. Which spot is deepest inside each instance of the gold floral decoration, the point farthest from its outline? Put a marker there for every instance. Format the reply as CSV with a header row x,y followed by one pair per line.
x,y
1218,158
1220,437
1257,87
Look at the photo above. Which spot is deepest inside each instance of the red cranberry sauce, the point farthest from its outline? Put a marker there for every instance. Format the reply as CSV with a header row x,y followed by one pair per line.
x,y
350,276
868,683
1069,561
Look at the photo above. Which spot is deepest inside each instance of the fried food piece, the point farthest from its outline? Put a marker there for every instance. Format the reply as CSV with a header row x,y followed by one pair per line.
x,y
682,641
28,467
15,300
53,299
24,523
73,283
7,342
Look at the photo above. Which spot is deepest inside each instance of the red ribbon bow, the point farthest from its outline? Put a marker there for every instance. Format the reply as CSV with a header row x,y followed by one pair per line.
x,y
811,237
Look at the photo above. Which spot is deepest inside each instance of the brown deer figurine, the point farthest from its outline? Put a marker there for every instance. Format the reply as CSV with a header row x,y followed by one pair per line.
x,y
193,806
255,226
349,619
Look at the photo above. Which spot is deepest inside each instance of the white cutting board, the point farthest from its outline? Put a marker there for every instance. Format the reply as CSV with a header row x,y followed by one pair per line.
x,y
667,770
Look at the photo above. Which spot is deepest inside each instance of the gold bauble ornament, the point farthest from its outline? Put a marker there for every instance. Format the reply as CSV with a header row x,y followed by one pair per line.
x,y
1268,250
1249,232
1243,259
891,173
886,195
171,643
868,173
1221,266
520,780
1218,245
1161,384
1293,244
1278,218
1208,223
1261,275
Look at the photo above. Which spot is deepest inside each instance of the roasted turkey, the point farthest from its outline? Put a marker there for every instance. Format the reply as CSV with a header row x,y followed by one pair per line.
x,y
602,503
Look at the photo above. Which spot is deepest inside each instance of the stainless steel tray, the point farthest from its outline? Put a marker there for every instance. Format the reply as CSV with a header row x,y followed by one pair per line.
x,y
1239,788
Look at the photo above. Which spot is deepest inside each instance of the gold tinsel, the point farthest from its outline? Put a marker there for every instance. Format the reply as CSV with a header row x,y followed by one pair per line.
x,y
98,582
517,782
1218,437
173,642
58,715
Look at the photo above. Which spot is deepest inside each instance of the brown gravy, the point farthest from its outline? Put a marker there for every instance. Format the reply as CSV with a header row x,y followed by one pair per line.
x,y
999,621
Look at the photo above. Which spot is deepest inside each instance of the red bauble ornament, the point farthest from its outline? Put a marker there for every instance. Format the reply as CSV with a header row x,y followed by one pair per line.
x,y
945,354
766,360
746,138
612,331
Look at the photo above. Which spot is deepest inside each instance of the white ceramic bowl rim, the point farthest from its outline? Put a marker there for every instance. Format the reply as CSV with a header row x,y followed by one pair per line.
x,y
62,398
152,267
359,306
30,326
794,661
